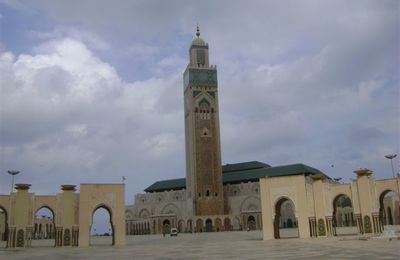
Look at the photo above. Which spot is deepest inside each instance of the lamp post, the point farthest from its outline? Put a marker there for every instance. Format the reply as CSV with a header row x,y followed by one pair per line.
x,y
12,173
391,157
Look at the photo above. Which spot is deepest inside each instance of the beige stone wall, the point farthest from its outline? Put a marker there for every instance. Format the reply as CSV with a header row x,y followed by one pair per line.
x,y
4,207
157,203
313,198
242,197
242,202
72,214
108,196
2,224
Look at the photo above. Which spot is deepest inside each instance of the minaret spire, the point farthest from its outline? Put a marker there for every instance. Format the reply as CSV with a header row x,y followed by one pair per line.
x,y
198,31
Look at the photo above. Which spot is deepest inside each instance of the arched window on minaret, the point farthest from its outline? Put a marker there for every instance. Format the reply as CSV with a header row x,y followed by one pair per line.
x,y
204,106
205,132
201,57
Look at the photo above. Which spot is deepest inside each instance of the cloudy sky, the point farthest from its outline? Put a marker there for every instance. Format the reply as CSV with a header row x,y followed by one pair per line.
x,y
92,90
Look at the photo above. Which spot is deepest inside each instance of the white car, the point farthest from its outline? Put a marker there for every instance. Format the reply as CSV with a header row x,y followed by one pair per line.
x,y
174,232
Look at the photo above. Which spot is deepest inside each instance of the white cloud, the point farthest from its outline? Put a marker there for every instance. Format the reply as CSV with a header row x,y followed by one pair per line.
x,y
94,41
315,83
68,111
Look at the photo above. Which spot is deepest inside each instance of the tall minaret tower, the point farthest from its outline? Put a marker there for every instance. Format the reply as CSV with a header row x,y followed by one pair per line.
x,y
203,149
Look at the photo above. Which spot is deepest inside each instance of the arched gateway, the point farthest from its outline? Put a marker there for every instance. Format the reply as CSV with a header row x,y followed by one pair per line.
x,y
19,226
323,207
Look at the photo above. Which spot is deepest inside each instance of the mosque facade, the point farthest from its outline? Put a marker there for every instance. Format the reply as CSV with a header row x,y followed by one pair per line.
x,y
214,198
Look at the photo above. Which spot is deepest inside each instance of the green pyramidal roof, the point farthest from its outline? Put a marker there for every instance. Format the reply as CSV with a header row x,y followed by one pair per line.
x,y
243,166
242,172
173,184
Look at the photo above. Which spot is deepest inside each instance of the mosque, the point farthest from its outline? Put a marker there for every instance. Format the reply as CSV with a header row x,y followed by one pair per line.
x,y
215,198
293,200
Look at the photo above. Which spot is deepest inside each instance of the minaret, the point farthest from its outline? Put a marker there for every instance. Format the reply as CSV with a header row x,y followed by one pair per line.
x,y
203,149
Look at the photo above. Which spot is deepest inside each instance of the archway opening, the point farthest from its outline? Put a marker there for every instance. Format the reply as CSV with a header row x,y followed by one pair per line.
x,y
285,222
3,227
44,230
102,228
209,225
189,226
166,226
389,208
343,219
227,224
218,225
236,224
199,225
181,224
251,223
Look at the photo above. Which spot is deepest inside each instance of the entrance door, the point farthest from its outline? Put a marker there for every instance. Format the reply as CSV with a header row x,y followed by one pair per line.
x,y
209,227
166,227
251,223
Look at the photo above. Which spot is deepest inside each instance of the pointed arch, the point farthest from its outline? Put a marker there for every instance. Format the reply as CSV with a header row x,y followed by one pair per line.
x,y
170,208
108,209
4,224
250,203
281,218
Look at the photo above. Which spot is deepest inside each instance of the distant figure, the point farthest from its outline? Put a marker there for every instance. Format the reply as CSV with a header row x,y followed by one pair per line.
x,y
163,233
248,229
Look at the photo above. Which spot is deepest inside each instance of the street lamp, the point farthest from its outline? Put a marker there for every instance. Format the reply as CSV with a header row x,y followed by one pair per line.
x,y
13,173
391,157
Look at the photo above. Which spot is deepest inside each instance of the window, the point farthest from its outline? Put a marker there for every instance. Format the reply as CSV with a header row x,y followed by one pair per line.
x,y
201,57
205,132
204,106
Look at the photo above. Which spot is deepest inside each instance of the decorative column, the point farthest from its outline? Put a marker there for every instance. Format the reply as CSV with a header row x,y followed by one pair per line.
x,y
59,236
329,226
21,207
28,236
313,226
75,235
376,222
67,222
11,236
359,223
365,196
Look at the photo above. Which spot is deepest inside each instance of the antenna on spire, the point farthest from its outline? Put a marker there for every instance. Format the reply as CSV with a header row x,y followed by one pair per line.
x,y
198,31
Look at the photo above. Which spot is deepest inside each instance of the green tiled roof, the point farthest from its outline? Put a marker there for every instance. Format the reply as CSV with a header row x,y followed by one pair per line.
x,y
284,170
243,166
174,184
243,172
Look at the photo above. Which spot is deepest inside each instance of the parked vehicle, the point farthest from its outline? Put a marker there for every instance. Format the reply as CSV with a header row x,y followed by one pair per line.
x,y
174,232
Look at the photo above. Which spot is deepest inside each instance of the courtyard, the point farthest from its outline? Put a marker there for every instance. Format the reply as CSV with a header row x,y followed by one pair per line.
x,y
226,245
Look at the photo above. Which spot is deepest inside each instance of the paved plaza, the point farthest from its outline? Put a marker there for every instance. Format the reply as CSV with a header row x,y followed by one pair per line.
x,y
227,245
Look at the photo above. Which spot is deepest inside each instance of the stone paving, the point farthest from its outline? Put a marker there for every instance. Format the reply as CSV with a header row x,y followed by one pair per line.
x,y
227,245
